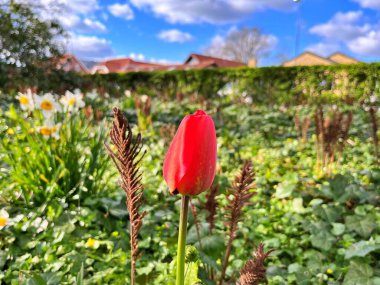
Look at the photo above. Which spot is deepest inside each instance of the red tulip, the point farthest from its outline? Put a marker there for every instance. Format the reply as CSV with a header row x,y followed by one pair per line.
x,y
189,166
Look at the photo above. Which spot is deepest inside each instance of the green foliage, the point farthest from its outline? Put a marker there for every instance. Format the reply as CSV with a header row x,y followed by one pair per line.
x,y
27,44
314,85
73,229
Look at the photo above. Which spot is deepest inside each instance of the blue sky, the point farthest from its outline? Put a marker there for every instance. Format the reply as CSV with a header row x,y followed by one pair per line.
x,y
169,30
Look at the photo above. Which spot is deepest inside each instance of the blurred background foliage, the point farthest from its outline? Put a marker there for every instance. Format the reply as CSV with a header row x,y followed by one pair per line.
x,y
67,223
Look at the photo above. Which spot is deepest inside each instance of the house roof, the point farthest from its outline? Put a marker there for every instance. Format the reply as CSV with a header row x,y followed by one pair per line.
x,y
322,60
335,58
336,55
124,65
69,62
208,61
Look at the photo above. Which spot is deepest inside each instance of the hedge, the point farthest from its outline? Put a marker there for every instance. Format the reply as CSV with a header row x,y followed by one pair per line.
x,y
267,85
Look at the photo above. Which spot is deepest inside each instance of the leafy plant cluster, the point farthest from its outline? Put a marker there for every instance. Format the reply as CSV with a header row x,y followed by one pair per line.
x,y
74,225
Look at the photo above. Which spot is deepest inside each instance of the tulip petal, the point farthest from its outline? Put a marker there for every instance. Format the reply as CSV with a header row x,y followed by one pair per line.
x,y
190,163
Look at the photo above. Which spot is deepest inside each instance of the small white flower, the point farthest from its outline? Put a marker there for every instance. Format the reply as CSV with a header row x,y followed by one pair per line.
x,y
49,130
4,218
47,104
26,100
144,98
92,95
128,93
72,101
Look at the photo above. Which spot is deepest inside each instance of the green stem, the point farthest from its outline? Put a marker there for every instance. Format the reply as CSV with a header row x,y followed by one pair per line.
x,y
182,240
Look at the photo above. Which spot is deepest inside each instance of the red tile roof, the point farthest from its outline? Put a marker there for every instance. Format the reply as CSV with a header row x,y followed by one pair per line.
x,y
124,65
209,61
69,62
194,61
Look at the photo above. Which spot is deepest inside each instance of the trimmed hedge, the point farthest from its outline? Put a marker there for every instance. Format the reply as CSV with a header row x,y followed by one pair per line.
x,y
268,85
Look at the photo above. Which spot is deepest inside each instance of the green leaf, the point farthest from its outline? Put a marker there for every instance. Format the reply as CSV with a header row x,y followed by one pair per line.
x,y
79,279
287,186
191,274
298,205
363,226
328,213
358,273
322,240
36,280
338,229
361,248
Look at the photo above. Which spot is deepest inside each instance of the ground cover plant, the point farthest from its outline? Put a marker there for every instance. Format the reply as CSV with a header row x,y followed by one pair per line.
x,y
64,220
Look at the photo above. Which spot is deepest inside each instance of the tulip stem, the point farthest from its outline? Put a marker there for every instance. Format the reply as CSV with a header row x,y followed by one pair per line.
x,y
181,253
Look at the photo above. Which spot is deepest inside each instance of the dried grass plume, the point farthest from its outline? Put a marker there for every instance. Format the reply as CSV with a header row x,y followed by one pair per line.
x,y
254,271
127,158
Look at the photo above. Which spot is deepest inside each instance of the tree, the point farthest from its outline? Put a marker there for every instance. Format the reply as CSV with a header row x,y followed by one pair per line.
x,y
242,45
27,43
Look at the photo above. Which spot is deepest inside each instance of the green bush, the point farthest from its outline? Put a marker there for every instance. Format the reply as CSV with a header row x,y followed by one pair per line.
x,y
268,85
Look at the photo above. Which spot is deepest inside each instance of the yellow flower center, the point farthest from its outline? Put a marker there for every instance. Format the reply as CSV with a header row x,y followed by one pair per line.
x,y
90,242
24,100
46,131
71,101
46,105
3,221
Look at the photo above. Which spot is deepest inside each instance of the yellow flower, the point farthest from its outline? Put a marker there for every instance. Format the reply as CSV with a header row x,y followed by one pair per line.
x,y
72,101
26,100
4,216
329,271
49,130
3,221
92,243
10,131
46,105
46,131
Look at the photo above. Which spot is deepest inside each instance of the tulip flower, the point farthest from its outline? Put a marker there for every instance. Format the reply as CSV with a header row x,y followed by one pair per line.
x,y
190,163
189,169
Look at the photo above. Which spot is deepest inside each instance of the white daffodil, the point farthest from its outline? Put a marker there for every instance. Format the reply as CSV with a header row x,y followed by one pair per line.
x,y
26,100
72,101
47,104
49,130
4,218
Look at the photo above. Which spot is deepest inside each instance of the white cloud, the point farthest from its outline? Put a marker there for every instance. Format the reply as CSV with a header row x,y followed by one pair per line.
x,y
94,25
348,30
89,47
74,15
372,4
121,11
343,26
137,56
324,49
174,36
368,44
209,11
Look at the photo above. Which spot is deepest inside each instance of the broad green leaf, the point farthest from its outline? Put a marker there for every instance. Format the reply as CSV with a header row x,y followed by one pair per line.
x,y
361,248
322,240
362,225
338,229
359,273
